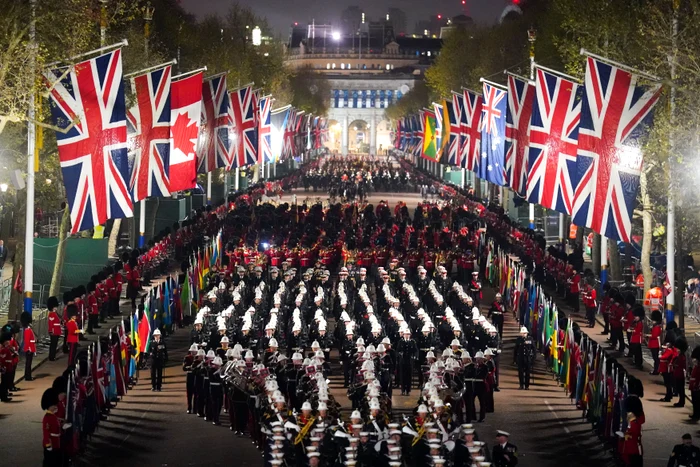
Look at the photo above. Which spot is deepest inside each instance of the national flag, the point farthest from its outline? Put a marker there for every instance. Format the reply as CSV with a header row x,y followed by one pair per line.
x,y
289,134
554,130
418,133
520,97
185,113
148,130
615,114
245,148
278,127
167,310
454,109
215,149
438,112
98,374
93,153
117,362
429,148
265,131
493,131
144,330
470,124
135,338
397,134
186,296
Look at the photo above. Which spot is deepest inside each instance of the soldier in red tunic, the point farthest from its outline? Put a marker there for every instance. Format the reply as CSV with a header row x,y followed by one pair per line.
x,y
29,341
51,429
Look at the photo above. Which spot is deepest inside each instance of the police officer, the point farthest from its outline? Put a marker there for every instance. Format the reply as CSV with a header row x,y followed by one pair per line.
x,y
685,454
159,356
504,454
523,356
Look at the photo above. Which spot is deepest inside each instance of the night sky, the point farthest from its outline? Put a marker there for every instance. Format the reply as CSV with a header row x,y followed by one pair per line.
x,y
281,13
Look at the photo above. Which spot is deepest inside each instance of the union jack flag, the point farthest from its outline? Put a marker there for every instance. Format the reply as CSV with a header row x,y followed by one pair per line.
x,y
454,149
301,131
289,133
93,153
148,126
615,114
554,132
278,124
418,134
243,103
470,140
520,97
215,141
265,131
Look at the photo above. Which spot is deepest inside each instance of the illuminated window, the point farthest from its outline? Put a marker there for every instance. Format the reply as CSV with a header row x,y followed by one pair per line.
x,y
342,66
333,66
429,53
328,66
388,67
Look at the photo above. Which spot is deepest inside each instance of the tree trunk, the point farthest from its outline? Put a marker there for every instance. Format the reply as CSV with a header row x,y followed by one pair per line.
x,y
595,254
114,238
57,275
614,261
679,286
646,232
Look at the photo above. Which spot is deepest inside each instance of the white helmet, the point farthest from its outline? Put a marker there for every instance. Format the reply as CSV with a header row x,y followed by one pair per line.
x,y
156,332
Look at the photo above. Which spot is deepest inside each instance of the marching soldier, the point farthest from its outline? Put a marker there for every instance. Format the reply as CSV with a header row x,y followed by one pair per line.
x,y
408,353
504,454
523,356
216,395
158,353
496,313
188,367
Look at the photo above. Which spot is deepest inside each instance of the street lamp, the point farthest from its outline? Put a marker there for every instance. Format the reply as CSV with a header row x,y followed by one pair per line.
x,y
335,35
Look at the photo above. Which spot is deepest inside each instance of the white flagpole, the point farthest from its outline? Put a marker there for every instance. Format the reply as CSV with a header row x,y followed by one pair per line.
x,y
31,146
208,187
142,223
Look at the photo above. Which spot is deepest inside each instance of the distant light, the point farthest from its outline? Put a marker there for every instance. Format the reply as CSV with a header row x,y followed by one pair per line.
x,y
335,35
429,53
439,16
363,18
297,24
48,181
265,245
266,54
3,187
425,32
257,36
387,16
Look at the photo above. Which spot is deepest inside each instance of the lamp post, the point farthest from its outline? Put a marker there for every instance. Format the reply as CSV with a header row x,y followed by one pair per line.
x,y
147,18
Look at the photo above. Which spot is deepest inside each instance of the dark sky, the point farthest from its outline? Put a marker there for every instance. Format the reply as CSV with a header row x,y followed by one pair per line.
x,y
282,13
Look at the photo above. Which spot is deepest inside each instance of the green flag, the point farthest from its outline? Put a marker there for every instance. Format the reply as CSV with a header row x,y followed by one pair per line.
x,y
185,301
430,149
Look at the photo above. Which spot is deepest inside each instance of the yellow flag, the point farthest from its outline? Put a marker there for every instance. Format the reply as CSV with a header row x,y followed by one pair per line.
x,y
38,145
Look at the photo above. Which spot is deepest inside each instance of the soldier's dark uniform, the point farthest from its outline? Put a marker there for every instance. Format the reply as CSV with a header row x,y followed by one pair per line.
x,y
523,356
408,353
159,356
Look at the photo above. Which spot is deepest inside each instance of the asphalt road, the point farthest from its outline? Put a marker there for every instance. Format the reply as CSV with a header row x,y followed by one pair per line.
x,y
152,429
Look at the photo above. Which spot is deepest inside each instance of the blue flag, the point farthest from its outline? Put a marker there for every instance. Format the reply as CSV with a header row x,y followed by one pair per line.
x,y
493,131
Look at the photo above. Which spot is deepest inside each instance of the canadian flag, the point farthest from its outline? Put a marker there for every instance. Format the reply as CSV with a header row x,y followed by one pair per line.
x,y
185,111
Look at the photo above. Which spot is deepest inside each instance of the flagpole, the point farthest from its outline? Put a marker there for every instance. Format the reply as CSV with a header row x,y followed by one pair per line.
x,y
236,183
620,65
142,223
532,36
208,187
31,147
152,68
182,75
122,43
499,86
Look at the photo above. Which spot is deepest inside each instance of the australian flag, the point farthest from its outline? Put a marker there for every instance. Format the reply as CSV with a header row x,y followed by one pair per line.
x,y
493,130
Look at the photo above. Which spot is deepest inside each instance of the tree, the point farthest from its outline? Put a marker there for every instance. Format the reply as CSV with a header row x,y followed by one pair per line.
x,y
311,91
413,101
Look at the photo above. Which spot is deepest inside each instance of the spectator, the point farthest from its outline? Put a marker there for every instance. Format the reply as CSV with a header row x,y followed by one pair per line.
x,y
694,385
654,343
3,256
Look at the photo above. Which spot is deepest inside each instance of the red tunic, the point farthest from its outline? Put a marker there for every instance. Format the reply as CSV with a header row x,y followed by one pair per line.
x,y
694,384
632,442
54,324
637,332
73,332
51,427
655,338
29,341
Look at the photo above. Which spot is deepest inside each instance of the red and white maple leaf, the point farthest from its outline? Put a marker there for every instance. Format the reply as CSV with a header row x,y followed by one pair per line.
x,y
185,126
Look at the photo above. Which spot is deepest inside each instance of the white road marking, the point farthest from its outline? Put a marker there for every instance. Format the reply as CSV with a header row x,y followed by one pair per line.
x,y
551,409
